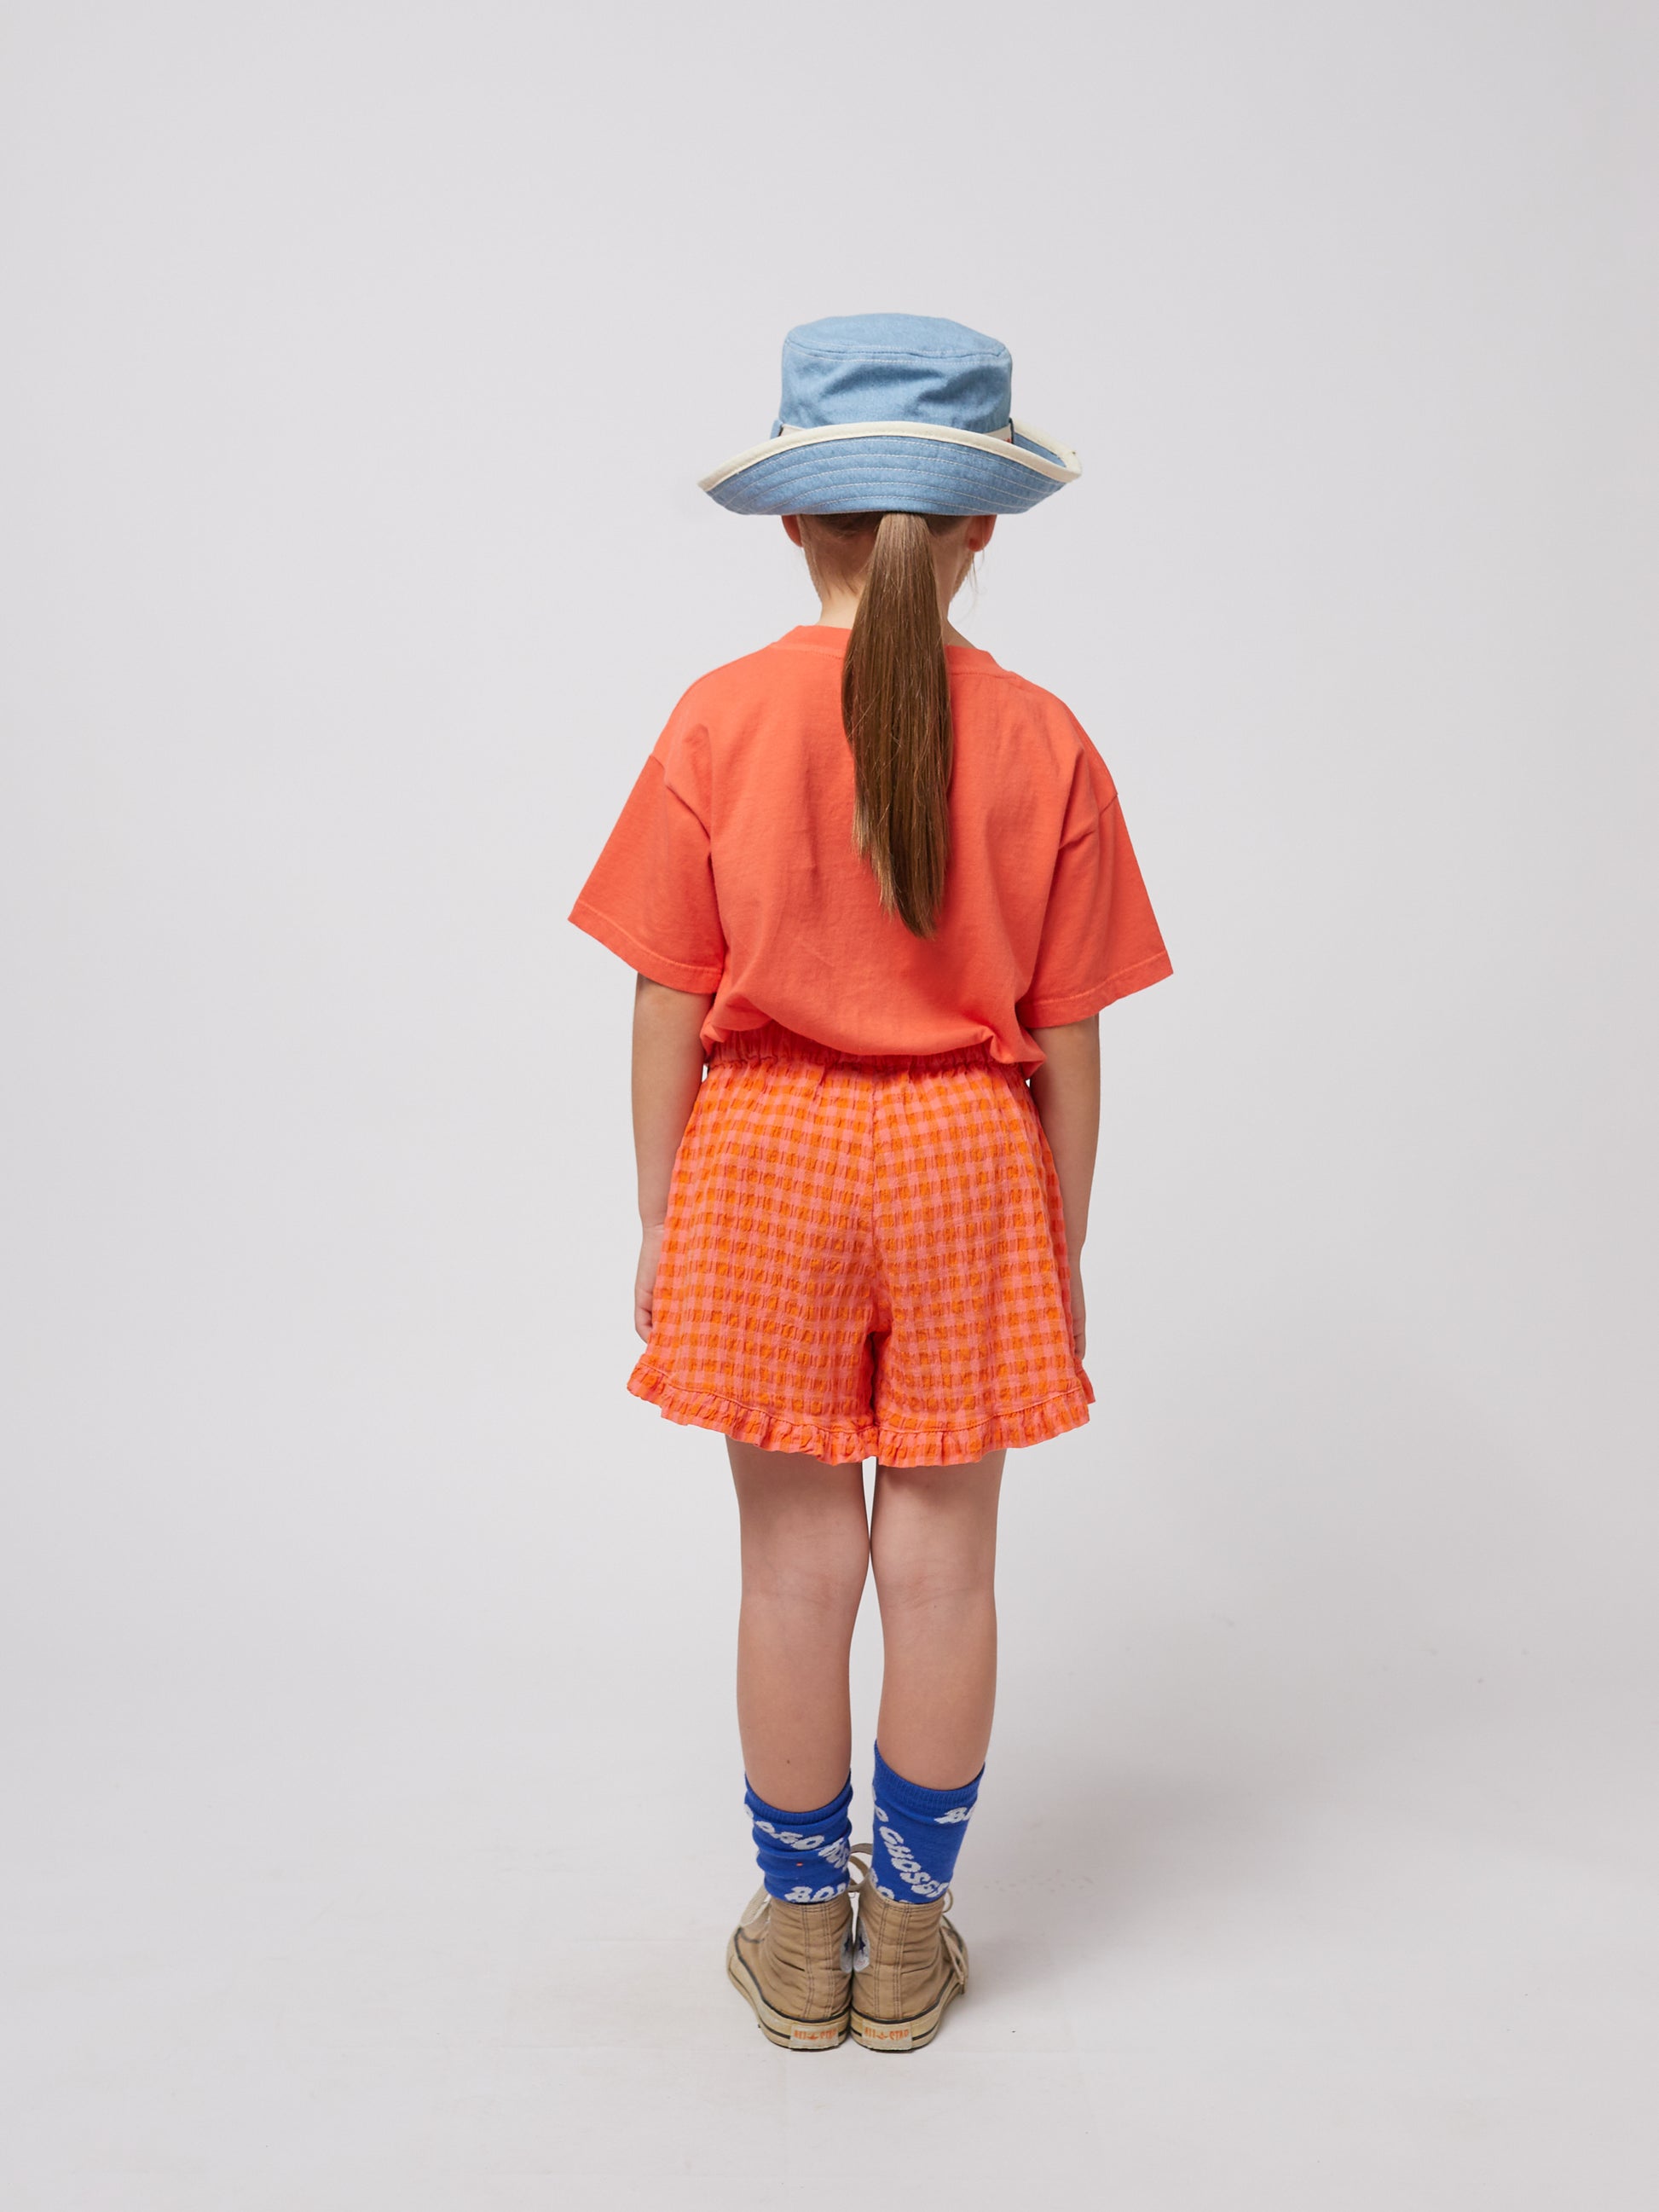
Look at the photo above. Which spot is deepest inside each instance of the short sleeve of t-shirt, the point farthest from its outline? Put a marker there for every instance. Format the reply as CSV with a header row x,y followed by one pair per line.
x,y
651,896
1100,938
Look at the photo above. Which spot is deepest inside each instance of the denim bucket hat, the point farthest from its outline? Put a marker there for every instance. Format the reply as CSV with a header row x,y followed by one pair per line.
x,y
893,413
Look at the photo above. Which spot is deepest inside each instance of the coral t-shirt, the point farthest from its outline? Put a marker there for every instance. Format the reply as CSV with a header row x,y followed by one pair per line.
x,y
733,868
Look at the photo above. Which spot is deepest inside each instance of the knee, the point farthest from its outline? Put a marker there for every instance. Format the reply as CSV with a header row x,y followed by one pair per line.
x,y
918,1584
920,1566
827,1576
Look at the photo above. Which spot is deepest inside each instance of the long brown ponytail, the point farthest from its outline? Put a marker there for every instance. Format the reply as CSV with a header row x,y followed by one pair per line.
x,y
896,706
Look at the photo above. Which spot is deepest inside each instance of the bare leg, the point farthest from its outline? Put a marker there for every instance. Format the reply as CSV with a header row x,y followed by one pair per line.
x,y
806,1554
934,1546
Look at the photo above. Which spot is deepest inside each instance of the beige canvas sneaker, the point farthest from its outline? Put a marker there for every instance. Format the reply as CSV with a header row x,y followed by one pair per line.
x,y
909,1963
794,1964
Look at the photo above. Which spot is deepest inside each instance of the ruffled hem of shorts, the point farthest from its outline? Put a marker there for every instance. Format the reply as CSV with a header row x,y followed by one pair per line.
x,y
842,1443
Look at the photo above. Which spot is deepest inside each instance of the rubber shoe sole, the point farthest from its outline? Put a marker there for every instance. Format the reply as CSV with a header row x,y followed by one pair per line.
x,y
900,2034
777,2026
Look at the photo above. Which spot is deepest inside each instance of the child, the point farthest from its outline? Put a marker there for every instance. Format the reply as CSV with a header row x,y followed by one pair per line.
x,y
883,888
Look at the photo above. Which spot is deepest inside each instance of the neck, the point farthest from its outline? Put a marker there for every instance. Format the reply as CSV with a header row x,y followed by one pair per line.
x,y
838,607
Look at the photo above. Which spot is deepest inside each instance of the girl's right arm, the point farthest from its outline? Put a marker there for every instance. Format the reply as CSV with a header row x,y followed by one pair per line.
x,y
1067,1090
668,1058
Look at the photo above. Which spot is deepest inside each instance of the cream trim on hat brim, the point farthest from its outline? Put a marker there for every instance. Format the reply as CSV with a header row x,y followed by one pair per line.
x,y
999,442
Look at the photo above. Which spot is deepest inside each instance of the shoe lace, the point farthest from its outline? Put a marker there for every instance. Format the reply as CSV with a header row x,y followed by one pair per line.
x,y
856,1948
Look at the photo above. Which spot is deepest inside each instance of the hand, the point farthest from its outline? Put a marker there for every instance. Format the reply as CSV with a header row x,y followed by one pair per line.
x,y
1080,1318
645,1279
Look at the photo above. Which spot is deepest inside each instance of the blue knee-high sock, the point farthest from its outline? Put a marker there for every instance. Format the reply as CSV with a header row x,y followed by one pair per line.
x,y
918,1834
802,1856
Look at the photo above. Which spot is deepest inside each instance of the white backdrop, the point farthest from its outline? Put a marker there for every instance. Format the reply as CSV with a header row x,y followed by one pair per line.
x,y
367,1647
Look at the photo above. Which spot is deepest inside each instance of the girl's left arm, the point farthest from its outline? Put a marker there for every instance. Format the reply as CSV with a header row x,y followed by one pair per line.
x,y
668,1056
1067,1090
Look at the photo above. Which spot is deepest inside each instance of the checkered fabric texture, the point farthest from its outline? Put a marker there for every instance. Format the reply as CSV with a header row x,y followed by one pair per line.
x,y
864,1259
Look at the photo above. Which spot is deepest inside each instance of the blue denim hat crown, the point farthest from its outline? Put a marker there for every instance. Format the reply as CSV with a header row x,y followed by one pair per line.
x,y
894,412
894,368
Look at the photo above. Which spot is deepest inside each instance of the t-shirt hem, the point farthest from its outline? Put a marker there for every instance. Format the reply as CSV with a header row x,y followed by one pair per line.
x,y
677,974
1077,1006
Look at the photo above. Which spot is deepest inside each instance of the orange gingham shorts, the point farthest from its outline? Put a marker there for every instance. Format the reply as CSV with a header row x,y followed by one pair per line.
x,y
864,1259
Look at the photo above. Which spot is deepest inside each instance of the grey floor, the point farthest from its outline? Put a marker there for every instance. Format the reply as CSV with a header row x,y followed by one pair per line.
x,y
454,1954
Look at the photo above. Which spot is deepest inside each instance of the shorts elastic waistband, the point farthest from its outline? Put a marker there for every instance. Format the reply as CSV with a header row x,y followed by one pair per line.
x,y
773,1041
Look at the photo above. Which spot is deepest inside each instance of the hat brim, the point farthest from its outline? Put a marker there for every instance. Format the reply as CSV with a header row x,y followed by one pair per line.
x,y
913,468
